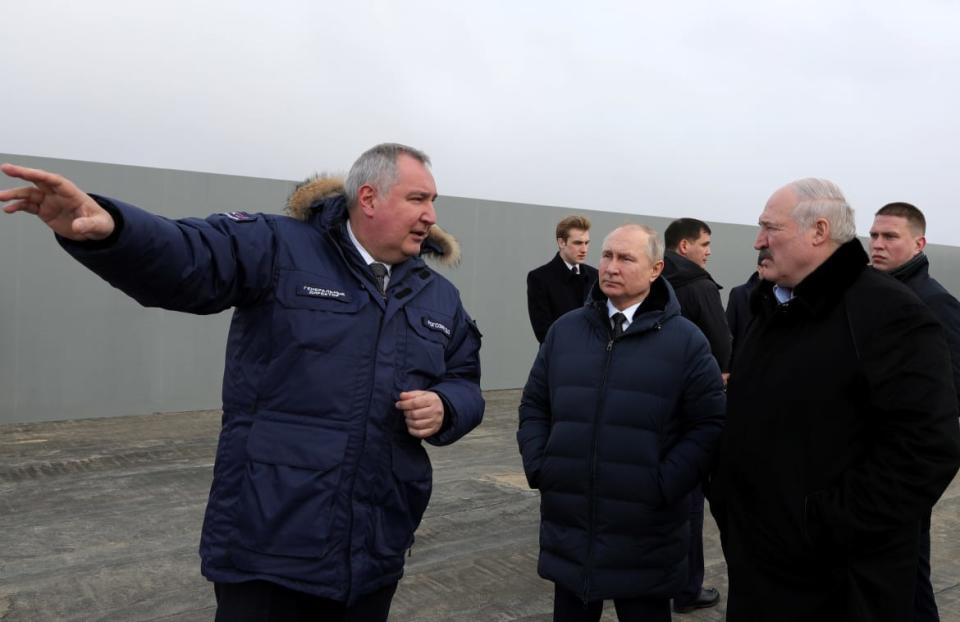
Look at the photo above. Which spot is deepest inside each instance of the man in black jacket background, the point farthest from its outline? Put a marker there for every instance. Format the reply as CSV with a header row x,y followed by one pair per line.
x,y
897,240
738,311
563,283
688,249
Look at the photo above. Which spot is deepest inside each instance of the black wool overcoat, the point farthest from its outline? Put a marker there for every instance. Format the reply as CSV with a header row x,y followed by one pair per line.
x,y
841,434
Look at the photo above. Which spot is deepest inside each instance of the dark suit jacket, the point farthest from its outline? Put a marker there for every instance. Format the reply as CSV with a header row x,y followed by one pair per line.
x,y
738,312
552,290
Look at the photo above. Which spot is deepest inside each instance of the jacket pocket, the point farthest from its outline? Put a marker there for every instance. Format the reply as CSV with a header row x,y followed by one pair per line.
x,y
428,334
316,311
412,484
291,479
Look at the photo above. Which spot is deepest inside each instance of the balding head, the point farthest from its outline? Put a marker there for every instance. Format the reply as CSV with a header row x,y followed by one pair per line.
x,y
802,224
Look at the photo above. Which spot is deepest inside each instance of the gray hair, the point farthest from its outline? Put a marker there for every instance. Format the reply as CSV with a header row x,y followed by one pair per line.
x,y
820,198
654,243
377,167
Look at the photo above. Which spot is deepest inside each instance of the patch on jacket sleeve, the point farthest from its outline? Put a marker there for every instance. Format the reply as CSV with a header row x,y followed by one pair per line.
x,y
240,216
315,291
437,326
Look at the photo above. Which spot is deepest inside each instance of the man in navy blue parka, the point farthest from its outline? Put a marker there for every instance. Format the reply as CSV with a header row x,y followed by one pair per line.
x,y
344,353
618,421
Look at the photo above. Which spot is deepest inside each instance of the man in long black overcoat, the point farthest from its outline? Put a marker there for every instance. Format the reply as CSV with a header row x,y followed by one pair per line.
x,y
841,428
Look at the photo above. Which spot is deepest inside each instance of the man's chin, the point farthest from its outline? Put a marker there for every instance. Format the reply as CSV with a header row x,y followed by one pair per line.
x,y
411,249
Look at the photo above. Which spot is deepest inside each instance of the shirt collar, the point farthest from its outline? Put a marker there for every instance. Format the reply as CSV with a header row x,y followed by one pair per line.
x,y
367,257
783,294
628,312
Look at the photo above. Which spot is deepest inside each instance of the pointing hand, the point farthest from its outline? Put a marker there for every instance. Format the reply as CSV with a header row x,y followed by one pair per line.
x,y
55,200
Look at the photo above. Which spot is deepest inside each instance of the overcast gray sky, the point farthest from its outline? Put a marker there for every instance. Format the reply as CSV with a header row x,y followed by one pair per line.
x,y
692,108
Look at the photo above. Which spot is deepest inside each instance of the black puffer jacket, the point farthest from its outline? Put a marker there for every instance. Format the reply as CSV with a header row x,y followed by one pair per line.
x,y
615,434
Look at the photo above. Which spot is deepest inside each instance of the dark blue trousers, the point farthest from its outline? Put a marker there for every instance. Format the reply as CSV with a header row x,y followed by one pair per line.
x,y
567,607
695,553
262,601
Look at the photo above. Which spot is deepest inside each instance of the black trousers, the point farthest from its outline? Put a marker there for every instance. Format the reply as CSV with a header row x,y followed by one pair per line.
x,y
567,607
695,571
262,601
924,603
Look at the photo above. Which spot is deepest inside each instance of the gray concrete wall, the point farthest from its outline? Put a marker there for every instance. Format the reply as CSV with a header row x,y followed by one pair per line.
x,y
73,347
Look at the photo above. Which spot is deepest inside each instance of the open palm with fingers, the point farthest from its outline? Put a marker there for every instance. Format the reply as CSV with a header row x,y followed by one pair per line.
x,y
57,201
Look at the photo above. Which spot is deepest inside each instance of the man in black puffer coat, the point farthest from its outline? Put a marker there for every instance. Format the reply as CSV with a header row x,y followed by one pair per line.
x,y
618,421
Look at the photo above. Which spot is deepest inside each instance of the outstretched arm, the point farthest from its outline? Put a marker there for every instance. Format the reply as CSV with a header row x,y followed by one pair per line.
x,y
191,265
70,212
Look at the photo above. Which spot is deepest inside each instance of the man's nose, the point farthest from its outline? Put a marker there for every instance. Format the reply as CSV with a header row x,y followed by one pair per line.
x,y
760,242
429,215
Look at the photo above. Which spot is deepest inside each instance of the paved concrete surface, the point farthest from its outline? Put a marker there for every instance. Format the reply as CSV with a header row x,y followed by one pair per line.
x,y
99,520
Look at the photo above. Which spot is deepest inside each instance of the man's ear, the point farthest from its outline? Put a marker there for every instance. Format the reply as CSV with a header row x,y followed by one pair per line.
x,y
366,197
921,244
683,247
560,242
821,231
657,269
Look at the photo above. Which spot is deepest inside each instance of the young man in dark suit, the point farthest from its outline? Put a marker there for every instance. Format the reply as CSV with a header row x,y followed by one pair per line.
x,y
562,284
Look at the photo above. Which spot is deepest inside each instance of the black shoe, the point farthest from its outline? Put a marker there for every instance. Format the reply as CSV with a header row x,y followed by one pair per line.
x,y
708,597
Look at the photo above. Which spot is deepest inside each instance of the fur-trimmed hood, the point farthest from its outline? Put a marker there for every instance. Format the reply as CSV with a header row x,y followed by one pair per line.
x,y
310,195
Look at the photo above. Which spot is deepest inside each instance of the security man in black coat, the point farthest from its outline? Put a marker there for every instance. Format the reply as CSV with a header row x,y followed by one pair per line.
x,y
685,262
897,240
562,284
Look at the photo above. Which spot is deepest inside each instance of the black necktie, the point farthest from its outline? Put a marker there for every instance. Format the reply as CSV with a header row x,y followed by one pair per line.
x,y
618,320
380,271
576,269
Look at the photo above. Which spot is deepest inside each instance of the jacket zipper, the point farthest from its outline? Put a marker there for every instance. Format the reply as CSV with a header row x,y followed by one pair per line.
x,y
595,440
363,440
591,492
